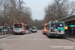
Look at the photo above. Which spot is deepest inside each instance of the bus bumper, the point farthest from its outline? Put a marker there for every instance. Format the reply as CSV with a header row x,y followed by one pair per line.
x,y
57,35
18,32
34,31
44,32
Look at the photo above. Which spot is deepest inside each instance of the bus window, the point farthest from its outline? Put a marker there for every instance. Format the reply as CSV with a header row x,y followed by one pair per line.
x,y
18,26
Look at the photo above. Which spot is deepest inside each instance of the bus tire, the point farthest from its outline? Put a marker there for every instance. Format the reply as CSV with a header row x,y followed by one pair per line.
x,y
48,36
36,31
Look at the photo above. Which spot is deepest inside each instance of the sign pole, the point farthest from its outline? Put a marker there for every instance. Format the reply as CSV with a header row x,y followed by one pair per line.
x,y
4,25
3,30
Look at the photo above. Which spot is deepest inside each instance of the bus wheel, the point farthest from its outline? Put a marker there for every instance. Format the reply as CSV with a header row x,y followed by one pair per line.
x,y
48,36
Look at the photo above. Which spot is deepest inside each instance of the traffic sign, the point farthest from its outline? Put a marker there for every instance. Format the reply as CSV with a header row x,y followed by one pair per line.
x,y
5,24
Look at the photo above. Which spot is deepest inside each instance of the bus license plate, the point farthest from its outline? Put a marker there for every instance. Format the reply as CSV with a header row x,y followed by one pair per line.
x,y
56,35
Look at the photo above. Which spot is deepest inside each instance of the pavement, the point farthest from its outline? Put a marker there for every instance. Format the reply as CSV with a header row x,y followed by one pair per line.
x,y
3,36
35,41
72,37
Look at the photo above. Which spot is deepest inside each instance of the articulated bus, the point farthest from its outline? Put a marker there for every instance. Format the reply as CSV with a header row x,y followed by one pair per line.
x,y
18,28
56,28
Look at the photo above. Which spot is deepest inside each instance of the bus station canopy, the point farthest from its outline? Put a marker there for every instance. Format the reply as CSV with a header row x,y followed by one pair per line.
x,y
66,19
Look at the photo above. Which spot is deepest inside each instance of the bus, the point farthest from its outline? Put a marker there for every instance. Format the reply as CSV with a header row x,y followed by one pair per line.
x,y
44,28
18,28
56,28
34,29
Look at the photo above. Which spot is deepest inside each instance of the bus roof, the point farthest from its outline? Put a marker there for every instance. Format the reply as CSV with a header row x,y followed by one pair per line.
x,y
54,21
67,18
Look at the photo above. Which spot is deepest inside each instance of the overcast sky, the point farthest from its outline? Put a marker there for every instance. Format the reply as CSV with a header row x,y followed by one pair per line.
x,y
37,7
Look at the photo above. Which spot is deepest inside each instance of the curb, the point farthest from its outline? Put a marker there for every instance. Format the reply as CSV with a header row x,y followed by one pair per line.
x,y
4,36
70,39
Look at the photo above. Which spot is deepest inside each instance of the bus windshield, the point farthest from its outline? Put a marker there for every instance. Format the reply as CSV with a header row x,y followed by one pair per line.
x,y
34,28
18,26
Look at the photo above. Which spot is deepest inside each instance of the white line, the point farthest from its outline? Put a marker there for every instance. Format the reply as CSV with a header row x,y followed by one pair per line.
x,y
23,36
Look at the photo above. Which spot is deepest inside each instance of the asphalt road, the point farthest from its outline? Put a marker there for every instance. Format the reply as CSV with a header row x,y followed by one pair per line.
x,y
35,41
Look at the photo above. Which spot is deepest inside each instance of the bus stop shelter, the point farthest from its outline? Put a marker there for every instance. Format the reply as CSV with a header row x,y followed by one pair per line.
x,y
70,22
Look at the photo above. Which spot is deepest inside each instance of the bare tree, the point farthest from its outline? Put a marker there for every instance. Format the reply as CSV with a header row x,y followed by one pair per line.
x,y
14,11
58,10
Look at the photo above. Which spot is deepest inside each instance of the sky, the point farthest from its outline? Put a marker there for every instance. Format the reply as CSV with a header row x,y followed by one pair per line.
x,y
37,8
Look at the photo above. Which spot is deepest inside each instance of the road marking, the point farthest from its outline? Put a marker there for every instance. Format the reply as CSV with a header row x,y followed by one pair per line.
x,y
23,36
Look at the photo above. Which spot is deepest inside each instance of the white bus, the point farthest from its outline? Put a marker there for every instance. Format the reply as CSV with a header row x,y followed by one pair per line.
x,y
18,28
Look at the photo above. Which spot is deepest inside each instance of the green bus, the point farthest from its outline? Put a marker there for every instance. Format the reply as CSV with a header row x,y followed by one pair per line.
x,y
34,29
18,28
56,28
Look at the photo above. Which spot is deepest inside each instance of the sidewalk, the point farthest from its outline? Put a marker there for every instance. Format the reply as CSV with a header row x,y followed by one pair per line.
x,y
2,36
72,37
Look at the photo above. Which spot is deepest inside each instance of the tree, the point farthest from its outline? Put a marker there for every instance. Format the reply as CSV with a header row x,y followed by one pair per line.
x,y
38,23
58,10
14,11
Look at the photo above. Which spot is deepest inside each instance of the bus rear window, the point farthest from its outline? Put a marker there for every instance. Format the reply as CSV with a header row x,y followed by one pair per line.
x,y
57,24
18,26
